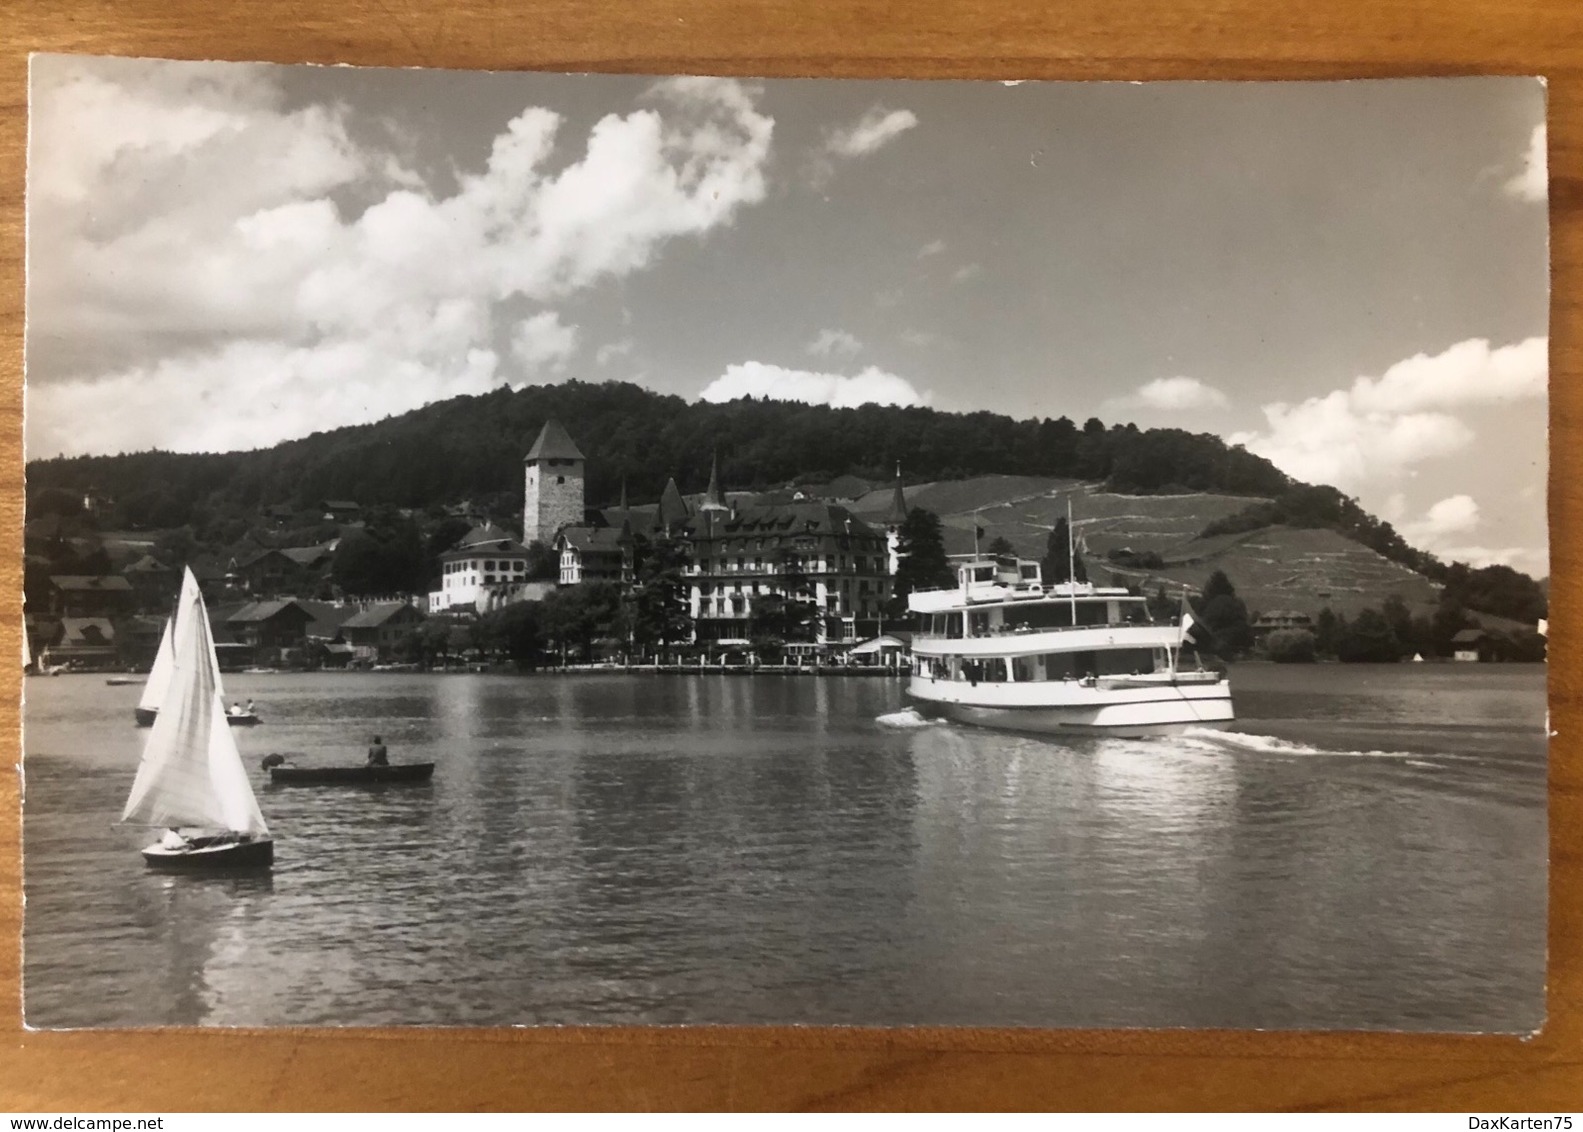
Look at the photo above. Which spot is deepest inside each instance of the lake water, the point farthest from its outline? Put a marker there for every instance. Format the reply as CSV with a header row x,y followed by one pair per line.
x,y
1366,851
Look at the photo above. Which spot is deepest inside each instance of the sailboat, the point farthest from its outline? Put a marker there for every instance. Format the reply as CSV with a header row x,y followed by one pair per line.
x,y
158,682
191,780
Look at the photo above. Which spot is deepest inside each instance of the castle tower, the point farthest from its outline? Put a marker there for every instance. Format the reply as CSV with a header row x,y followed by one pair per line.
x,y
894,518
552,495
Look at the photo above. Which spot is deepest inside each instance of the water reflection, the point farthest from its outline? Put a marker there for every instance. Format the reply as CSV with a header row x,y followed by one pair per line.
x,y
622,848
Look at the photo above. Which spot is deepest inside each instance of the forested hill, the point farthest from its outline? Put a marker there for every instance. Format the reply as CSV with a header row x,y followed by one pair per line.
x,y
471,448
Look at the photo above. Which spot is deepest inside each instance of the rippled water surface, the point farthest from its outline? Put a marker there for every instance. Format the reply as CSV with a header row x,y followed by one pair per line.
x,y
1366,850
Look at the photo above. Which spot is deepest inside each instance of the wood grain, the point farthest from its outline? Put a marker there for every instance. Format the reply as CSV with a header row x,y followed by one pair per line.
x,y
724,1068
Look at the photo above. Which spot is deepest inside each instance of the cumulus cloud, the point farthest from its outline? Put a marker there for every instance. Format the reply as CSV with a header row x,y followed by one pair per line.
x,y
831,342
1533,183
777,383
1455,515
543,343
610,351
1380,427
1171,394
1444,530
933,247
875,129
184,217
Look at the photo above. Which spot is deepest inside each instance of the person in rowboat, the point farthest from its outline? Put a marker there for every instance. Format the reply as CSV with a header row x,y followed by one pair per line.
x,y
376,753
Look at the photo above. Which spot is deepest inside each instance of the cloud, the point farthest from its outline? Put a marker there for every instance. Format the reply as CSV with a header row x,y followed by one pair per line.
x,y
875,129
1170,395
965,272
1382,426
184,217
1455,515
933,247
543,344
759,379
831,342
610,351
1444,531
1533,183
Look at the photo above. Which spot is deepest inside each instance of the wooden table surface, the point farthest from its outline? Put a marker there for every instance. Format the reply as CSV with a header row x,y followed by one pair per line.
x,y
715,1068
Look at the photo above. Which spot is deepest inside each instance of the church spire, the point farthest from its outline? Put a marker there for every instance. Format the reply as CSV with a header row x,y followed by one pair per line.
x,y
713,499
898,503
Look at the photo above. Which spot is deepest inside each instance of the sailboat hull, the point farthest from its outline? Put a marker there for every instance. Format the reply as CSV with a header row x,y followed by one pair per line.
x,y
147,716
205,854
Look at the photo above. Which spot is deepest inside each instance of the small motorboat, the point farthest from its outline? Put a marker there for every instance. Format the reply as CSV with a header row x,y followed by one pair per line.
x,y
121,681
283,774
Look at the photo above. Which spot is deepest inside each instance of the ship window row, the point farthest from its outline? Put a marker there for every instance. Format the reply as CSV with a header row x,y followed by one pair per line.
x,y
1042,667
1032,618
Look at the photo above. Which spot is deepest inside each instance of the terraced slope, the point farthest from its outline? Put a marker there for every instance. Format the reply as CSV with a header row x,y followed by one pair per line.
x,y
1273,568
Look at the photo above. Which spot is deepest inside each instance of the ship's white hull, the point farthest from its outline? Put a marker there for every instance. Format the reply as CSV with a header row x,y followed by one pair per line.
x,y
1070,707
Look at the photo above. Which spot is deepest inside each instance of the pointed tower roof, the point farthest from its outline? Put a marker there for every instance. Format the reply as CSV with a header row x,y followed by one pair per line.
x,y
553,444
898,503
673,508
713,499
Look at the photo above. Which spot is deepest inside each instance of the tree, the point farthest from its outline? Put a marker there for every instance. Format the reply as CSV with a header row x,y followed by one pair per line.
x,y
657,607
1290,646
922,564
1057,566
1369,639
1225,615
1001,547
542,563
1329,628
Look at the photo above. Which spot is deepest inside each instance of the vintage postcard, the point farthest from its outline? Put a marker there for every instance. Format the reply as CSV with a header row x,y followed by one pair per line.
x,y
525,549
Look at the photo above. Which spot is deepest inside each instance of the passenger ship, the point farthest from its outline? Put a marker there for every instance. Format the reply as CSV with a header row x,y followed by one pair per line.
x,y
1003,650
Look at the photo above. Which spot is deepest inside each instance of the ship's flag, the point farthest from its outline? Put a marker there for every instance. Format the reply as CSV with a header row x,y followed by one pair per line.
x,y
1188,625
980,531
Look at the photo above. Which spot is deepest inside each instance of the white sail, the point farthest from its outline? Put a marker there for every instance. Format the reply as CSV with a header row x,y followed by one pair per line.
x,y
158,676
191,775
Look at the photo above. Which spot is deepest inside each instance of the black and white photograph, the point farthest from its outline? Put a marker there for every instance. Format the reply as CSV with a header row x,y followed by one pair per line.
x,y
526,549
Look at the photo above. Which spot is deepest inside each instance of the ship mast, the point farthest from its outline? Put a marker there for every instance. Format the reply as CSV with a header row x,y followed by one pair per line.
x,y
1071,562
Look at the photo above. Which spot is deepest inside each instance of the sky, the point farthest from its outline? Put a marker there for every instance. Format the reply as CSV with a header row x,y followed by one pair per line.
x,y
1348,278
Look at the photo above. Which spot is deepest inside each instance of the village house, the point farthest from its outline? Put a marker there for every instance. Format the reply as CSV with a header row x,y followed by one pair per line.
x,y
374,631
1470,645
73,595
154,585
485,570
85,642
270,628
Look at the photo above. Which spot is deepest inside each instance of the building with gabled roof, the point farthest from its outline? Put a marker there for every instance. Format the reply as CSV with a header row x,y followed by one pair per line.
x,y
376,629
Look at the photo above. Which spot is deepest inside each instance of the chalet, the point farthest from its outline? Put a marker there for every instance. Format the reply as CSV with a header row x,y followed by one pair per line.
x,y
1471,645
267,573
270,626
373,632
75,595
85,642
1280,619
154,585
